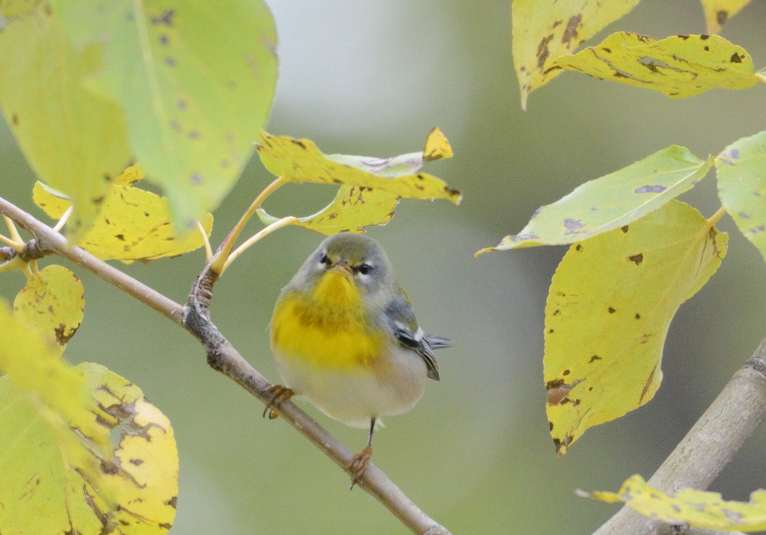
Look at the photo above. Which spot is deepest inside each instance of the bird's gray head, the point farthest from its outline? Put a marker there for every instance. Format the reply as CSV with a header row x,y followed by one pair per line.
x,y
360,257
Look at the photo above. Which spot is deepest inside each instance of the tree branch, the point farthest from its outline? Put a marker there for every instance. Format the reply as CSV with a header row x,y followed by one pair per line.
x,y
224,357
707,448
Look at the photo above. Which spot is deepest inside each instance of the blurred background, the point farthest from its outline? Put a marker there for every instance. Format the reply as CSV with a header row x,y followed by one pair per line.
x,y
372,78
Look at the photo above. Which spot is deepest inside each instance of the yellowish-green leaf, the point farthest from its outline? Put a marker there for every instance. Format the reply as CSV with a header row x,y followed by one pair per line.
x,y
10,9
695,508
55,482
353,209
544,30
52,301
679,66
718,12
196,82
300,160
72,138
370,188
611,201
609,307
135,224
741,169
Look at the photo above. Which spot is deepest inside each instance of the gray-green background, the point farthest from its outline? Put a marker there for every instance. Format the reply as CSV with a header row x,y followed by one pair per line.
x,y
373,77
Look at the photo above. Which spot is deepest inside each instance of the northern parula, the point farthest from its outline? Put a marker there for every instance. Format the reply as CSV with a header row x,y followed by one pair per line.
x,y
344,335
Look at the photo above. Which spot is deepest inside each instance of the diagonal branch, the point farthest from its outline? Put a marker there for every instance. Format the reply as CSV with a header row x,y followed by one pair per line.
x,y
224,357
707,448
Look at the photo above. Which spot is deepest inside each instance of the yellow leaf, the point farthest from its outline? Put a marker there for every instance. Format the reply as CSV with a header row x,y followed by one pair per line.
x,y
134,224
679,66
609,307
695,508
544,30
55,482
353,209
437,146
52,301
61,472
300,160
718,12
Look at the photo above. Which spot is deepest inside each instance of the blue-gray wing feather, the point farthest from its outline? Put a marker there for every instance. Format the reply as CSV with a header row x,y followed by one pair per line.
x,y
403,323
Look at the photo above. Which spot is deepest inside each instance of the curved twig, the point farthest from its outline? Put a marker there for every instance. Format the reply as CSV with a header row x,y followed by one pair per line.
x,y
224,357
707,448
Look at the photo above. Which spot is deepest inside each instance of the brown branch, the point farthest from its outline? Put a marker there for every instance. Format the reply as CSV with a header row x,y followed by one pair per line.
x,y
707,448
224,357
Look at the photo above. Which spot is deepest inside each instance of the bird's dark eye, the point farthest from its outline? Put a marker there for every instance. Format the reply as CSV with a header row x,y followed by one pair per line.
x,y
325,260
364,269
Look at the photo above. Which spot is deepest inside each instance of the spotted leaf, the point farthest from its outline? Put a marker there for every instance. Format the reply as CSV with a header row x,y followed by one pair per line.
x,y
609,307
741,169
52,301
84,452
611,201
370,188
718,12
72,138
679,66
545,30
196,81
694,508
135,225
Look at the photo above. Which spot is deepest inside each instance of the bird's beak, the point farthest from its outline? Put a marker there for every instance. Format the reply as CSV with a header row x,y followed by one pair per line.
x,y
344,268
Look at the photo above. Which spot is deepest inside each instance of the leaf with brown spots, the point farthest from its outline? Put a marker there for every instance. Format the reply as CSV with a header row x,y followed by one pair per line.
x,y
195,81
52,301
679,66
61,471
718,12
135,224
544,30
696,509
611,201
609,306
70,136
370,188
741,169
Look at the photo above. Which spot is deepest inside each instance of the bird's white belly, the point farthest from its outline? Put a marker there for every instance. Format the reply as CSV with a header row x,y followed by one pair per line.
x,y
354,395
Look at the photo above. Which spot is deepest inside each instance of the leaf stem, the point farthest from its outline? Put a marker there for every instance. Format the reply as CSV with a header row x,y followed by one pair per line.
x,y
208,248
18,246
13,231
224,250
64,218
717,216
255,238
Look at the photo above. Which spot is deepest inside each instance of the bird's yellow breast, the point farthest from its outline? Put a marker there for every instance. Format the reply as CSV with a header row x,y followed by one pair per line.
x,y
327,327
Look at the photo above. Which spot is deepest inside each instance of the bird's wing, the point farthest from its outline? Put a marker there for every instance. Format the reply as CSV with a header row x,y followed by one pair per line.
x,y
401,318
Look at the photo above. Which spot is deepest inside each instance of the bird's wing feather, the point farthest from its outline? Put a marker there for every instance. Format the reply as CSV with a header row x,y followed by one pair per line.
x,y
401,319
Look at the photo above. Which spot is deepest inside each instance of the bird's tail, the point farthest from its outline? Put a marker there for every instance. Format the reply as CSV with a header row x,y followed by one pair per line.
x,y
438,342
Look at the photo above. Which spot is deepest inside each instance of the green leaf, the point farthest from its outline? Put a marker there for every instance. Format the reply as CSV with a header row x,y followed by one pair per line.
x,y
370,188
72,138
545,30
135,224
718,12
679,66
609,307
611,201
52,301
84,452
741,169
695,508
196,82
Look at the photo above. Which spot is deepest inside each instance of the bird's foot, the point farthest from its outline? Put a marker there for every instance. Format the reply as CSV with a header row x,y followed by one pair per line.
x,y
359,465
279,394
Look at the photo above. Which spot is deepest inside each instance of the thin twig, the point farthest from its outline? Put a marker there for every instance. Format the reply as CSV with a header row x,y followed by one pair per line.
x,y
225,358
707,448
255,238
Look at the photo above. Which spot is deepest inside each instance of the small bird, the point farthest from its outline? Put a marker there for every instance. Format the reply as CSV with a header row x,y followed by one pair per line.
x,y
344,335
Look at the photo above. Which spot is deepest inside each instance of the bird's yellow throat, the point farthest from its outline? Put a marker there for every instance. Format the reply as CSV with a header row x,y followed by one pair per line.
x,y
327,327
